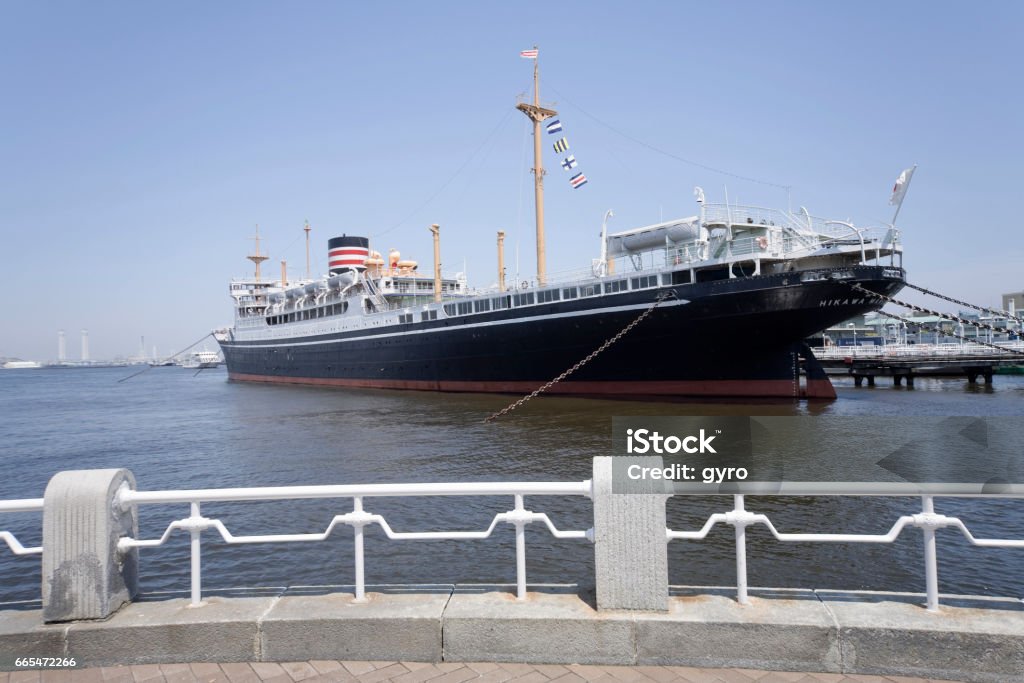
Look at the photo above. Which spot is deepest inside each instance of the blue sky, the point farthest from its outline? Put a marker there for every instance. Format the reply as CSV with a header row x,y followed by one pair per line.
x,y
142,142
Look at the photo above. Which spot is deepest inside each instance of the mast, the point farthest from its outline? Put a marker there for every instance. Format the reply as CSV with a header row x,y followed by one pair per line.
x,y
257,258
435,230
501,260
307,229
536,113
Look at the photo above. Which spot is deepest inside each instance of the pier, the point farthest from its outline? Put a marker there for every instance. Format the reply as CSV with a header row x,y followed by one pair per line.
x,y
91,610
904,362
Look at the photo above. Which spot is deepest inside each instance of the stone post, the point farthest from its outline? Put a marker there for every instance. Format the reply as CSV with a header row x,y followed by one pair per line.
x,y
630,539
84,574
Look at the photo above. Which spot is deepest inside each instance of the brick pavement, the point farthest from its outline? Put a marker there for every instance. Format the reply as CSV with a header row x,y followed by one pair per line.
x,y
416,672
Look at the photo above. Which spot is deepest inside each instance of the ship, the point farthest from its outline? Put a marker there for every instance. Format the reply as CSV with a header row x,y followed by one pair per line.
x,y
202,360
717,304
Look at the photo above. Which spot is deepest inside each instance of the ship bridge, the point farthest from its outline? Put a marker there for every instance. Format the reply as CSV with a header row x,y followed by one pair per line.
x,y
740,241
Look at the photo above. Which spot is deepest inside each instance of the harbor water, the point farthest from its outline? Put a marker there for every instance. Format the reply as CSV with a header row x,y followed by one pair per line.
x,y
175,429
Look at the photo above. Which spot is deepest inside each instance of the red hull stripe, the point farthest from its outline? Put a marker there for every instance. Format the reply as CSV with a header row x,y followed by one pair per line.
x,y
758,388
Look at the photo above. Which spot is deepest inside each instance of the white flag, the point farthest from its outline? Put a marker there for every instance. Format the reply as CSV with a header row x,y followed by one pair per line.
x,y
900,188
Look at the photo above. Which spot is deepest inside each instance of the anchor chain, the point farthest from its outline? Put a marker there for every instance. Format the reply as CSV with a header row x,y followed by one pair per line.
x,y
928,328
920,309
593,354
962,303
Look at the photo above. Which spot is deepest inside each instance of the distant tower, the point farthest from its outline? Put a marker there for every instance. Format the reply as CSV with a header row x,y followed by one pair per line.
x,y
85,344
62,351
257,258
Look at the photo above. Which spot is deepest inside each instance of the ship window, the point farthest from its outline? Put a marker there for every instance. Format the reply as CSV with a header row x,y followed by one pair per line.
x,y
524,299
569,293
465,308
589,290
645,281
614,286
680,277
547,295
405,318
482,306
449,309
712,274
501,302
429,315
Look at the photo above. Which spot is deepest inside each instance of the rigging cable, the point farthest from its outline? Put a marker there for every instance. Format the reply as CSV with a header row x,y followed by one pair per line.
x,y
450,179
664,152
171,357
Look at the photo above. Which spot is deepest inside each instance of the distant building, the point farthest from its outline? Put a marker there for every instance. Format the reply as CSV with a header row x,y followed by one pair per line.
x,y
1017,299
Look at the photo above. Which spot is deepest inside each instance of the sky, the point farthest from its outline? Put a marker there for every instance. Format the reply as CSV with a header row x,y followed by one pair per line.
x,y
141,143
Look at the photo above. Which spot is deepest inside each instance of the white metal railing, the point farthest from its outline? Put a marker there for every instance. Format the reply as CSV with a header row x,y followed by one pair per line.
x,y
753,215
24,505
927,520
919,351
358,518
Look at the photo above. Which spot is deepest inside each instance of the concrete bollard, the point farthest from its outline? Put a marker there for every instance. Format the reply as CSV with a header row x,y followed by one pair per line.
x,y
84,575
630,541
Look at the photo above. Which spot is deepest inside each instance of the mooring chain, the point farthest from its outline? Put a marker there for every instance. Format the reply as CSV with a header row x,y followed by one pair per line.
x,y
927,328
593,354
962,303
919,309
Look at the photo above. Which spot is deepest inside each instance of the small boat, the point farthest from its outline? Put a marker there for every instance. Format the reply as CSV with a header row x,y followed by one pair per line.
x,y
202,360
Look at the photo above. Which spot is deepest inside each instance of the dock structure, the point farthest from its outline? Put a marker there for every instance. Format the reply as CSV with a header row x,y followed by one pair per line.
x,y
905,362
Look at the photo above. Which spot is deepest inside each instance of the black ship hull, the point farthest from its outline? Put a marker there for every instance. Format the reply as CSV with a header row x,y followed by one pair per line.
x,y
740,337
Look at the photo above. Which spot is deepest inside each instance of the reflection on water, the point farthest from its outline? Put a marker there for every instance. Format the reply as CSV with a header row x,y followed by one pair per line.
x,y
174,430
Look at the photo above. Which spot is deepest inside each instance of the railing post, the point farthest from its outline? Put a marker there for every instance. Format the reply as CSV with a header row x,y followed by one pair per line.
x,y
84,574
357,508
931,562
196,551
520,550
741,553
630,540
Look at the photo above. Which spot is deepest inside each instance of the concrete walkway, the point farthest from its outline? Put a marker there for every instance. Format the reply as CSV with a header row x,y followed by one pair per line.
x,y
416,672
